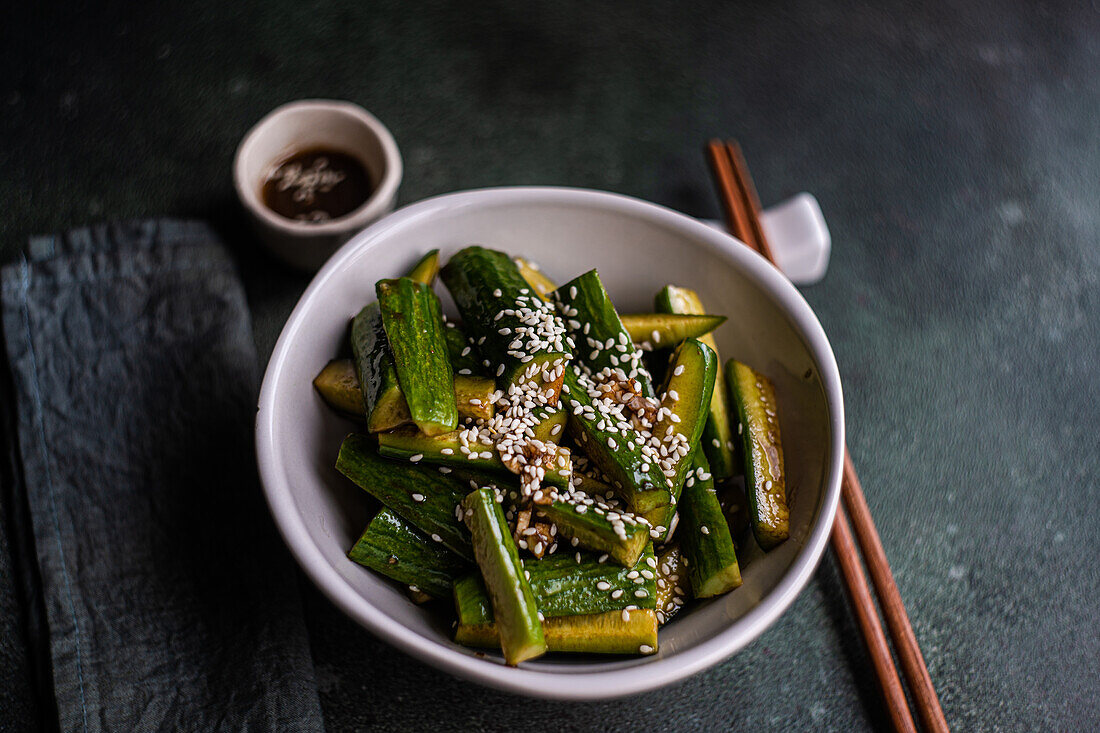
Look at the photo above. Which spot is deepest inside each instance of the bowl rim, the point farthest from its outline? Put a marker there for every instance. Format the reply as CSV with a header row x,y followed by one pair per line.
x,y
646,673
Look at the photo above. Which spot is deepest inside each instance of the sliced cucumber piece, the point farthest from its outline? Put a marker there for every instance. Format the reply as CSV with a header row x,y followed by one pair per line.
x,y
494,301
704,535
338,384
684,404
426,269
765,478
514,608
383,403
636,479
535,277
665,330
418,494
393,547
718,441
602,341
413,322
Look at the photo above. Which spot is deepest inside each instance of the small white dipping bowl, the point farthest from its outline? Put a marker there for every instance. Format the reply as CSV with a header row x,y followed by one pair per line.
x,y
306,125
638,247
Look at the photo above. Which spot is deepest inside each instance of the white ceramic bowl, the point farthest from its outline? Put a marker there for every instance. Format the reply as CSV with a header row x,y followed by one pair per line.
x,y
638,247
311,124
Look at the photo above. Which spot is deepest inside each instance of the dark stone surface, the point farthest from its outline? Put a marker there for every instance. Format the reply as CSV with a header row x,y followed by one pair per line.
x,y
954,149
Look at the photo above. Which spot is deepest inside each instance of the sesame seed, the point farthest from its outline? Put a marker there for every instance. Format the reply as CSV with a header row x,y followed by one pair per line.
x,y
645,648
626,615
497,293
603,585
704,529
418,497
617,594
641,594
437,538
678,370
416,457
444,469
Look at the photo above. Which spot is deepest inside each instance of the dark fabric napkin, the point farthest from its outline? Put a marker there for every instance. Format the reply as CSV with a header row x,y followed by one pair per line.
x,y
168,600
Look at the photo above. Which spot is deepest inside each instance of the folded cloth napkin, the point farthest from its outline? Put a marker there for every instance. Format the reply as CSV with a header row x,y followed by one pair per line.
x,y
169,601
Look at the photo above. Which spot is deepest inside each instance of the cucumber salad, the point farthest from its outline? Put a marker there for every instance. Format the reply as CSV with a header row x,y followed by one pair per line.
x,y
563,475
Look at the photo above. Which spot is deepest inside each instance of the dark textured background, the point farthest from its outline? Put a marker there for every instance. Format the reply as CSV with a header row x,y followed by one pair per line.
x,y
955,150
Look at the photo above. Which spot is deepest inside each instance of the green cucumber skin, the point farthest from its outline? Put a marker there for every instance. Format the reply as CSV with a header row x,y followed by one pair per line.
x,y
593,531
515,610
694,386
721,455
413,322
642,491
394,548
662,516
457,343
426,269
402,446
669,328
587,295
564,587
373,362
712,560
472,275
394,482
765,477
596,532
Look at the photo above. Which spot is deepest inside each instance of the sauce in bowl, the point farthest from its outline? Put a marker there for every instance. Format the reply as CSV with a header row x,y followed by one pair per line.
x,y
317,185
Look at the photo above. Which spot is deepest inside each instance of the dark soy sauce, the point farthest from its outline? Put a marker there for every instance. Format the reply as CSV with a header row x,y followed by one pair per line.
x,y
317,185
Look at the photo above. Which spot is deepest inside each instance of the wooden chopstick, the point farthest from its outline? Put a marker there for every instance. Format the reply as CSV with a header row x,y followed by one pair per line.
x,y
733,206
863,606
739,199
897,620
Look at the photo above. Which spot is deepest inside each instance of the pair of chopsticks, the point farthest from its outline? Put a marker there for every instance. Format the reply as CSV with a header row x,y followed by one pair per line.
x,y
741,207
